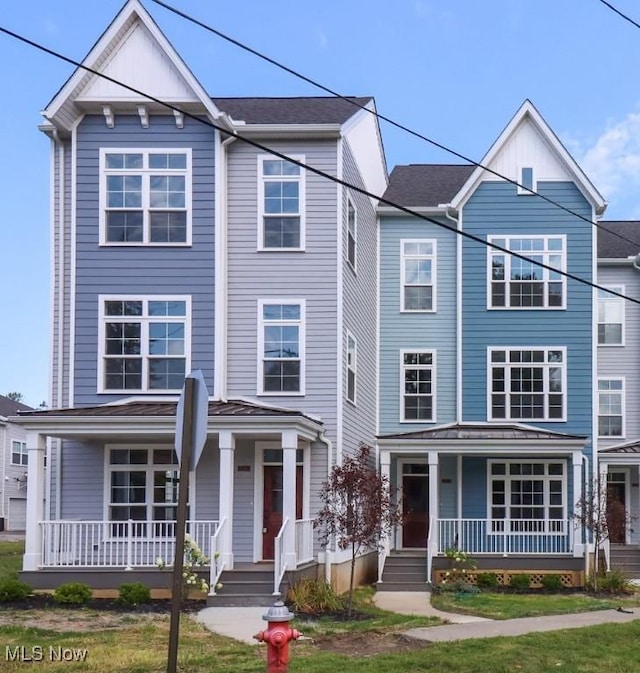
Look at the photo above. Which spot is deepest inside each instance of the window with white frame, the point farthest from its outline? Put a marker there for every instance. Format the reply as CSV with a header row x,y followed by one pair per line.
x,y
145,197
352,364
610,408
281,210
143,484
351,234
144,343
611,317
418,272
518,283
527,384
418,382
19,455
528,496
527,180
281,347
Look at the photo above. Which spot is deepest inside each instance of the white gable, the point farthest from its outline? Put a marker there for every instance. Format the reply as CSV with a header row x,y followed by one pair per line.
x,y
141,63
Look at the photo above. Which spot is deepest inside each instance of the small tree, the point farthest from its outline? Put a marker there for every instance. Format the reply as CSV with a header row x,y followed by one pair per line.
x,y
359,509
14,396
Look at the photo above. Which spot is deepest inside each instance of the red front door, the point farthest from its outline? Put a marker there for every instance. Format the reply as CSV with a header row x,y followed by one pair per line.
x,y
272,506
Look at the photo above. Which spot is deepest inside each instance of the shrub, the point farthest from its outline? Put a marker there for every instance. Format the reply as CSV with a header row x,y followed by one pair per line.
x,y
614,582
520,582
487,581
134,593
12,589
313,597
72,593
552,582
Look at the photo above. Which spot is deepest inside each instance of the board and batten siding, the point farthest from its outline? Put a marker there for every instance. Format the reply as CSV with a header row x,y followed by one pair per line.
x,y
310,275
496,209
416,331
142,270
359,312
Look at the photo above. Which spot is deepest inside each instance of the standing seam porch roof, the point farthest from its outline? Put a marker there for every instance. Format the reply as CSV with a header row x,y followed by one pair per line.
x,y
471,431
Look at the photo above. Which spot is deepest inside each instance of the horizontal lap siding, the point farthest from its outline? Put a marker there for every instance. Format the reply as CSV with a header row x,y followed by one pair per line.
x,y
142,270
243,502
82,481
208,483
416,331
496,209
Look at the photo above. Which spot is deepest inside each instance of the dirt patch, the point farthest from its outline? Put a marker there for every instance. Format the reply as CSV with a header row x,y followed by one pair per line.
x,y
368,644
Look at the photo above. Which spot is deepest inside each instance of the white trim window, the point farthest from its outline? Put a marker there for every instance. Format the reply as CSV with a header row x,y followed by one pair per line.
x,y
418,275
610,408
418,377
280,204
611,317
352,229
19,454
352,367
515,283
527,496
142,485
527,180
281,346
527,384
144,343
145,196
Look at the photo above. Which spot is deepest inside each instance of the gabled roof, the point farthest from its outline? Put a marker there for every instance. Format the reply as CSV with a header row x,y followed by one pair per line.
x,y
426,185
9,407
611,246
528,113
484,431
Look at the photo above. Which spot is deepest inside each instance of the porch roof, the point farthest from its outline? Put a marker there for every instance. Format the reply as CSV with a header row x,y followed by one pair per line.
x,y
628,448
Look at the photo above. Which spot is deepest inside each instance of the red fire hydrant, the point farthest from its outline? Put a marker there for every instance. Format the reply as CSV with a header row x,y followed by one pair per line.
x,y
277,637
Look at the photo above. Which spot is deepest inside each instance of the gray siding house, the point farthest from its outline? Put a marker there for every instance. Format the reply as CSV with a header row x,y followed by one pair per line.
x,y
191,236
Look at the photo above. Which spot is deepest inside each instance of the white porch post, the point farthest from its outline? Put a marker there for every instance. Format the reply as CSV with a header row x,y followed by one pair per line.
x,y
434,512
578,492
36,447
289,448
227,445
385,472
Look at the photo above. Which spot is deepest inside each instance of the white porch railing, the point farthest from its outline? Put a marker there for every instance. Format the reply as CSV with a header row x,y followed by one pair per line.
x,y
117,544
304,541
217,560
500,536
280,560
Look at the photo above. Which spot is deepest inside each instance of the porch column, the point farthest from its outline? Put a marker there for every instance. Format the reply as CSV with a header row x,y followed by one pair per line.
x,y
434,512
227,445
36,447
289,449
385,473
578,491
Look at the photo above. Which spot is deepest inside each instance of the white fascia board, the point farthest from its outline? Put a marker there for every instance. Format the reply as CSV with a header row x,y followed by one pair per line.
x,y
471,447
421,210
619,459
527,109
610,261
286,131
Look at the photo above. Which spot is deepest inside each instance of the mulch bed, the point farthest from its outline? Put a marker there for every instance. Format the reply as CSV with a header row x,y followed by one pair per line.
x,y
155,606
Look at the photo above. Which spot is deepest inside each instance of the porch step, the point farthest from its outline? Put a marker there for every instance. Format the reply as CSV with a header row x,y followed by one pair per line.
x,y
404,571
245,587
626,558
403,586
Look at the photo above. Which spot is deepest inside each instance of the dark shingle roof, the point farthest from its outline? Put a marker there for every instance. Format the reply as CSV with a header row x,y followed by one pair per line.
x,y
426,185
630,447
483,431
611,246
9,408
309,110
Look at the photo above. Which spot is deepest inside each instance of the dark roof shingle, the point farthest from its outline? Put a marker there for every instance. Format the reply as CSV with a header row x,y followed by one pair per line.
x,y
9,408
611,245
426,185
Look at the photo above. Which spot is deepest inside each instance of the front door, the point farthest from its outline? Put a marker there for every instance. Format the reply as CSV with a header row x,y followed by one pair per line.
x,y
616,509
272,506
415,505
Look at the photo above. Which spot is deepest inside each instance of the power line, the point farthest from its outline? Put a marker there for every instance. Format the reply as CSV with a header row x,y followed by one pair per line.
x,y
307,167
618,12
384,118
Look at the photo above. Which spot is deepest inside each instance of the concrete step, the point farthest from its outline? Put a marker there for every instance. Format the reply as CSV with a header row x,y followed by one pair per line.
x,y
399,575
241,600
403,586
236,575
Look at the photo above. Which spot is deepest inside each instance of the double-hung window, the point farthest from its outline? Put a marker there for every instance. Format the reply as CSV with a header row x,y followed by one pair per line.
x,y
518,283
145,197
281,347
351,235
527,384
611,317
19,455
418,386
527,496
281,204
610,408
352,367
144,343
418,286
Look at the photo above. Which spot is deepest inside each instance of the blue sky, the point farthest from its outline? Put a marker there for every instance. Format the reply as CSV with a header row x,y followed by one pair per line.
x,y
454,70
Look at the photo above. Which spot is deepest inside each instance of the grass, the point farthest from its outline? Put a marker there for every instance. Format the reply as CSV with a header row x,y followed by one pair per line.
x,y
512,606
10,558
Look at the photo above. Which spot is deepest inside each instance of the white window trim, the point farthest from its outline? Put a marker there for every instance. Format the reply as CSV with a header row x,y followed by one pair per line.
x,y
546,477
534,182
301,179
353,266
621,290
434,379
260,352
508,237
102,319
102,190
623,405
546,392
434,273
353,369
21,451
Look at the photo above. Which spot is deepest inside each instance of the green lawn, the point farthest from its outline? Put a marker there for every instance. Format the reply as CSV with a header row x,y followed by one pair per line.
x,y
10,558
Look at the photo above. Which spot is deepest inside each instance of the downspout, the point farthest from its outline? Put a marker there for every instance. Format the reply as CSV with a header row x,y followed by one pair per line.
x,y
3,483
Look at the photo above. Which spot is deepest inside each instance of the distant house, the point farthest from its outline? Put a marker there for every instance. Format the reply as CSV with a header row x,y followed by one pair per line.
x,y
13,466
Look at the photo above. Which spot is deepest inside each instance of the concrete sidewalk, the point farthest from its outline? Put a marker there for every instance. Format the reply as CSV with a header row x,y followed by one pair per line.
x,y
418,603
238,623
